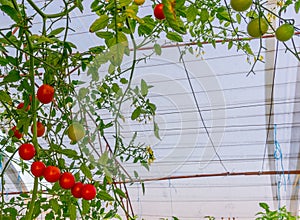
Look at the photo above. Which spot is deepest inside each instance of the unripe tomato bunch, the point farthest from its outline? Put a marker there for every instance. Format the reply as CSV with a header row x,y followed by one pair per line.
x,y
257,27
52,174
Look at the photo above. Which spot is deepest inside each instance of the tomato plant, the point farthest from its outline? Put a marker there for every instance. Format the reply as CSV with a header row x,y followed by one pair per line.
x,y
52,174
37,168
36,49
27,151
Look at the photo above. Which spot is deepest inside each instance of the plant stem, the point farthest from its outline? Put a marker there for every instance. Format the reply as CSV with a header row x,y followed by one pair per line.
x,y
57,15
127,88
33,198
34,120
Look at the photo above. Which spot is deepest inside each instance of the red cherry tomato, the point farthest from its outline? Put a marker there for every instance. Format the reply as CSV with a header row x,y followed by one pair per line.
x,y
40,129
45,93
158,11
26,151
17,133
21,106
66,180
51,174
37,168
88,191
76,189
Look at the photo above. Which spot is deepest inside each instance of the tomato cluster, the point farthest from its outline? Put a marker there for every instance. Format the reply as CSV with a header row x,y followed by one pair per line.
x,y
66,180
52,174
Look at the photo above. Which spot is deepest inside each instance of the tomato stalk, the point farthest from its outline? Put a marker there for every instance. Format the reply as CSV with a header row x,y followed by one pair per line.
x,y
34,120
57,15
134,61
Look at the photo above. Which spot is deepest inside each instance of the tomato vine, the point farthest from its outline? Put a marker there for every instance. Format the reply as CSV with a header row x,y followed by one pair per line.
x,y
32,56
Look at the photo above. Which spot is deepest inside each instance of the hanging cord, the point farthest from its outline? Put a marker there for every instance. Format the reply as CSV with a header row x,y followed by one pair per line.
x,y
279,167
199,110
271,106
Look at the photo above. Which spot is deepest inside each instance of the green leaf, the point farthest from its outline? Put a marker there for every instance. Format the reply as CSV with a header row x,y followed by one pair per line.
x,y
54,205
124,2
297,6
12,211
156,131
85,206
238,18
120,193
103,159
10,149
136,175
173,36
99,23
11,12
143,188
70,153
230,44
104,34
86,171
56,31
13,76
144,88
123,81
223,15
72,211
110,214
3,61
4,97
264,205
136,113
146,165
79,5
191,13
105,196
7,2
115,87
157,49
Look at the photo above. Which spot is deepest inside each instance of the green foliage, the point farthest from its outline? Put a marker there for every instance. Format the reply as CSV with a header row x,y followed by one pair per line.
x,y
267,214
